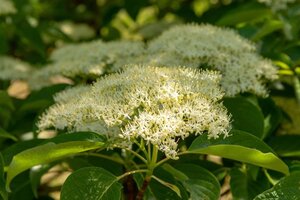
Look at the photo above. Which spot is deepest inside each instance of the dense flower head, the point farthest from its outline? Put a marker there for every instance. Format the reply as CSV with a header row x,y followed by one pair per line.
x,y
7,7
277,5
159,105
87,59
221,49
71,93
12,68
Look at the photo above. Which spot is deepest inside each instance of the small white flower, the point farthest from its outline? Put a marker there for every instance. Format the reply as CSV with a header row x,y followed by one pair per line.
x,y
159,105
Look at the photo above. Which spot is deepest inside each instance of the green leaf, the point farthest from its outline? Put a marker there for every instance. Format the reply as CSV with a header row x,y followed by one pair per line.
x,y
286,145
173,187
35,176
243,186
240,146
16,148
247,13
286,189
21,188
88,160
91,183
159,192
176,173
294,165
5,134
45,154
268,28
273,115
199,182
252,122
3,192
5,100
11,151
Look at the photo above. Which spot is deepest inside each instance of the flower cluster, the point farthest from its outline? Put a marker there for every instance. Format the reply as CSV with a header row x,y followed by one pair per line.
x,y
13,68
221,49
195,46
7,7
159,105
87,59
277,5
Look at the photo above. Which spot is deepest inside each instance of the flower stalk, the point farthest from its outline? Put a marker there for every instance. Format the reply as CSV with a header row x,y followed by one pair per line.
x,y
151,167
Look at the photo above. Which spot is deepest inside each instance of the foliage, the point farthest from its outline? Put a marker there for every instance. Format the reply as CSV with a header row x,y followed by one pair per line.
x,y
111,105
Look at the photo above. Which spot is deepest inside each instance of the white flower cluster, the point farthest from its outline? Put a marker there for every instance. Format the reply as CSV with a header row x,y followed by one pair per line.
x,y
196,46
159,105
88,59
13,68
216,48
7,7
277,5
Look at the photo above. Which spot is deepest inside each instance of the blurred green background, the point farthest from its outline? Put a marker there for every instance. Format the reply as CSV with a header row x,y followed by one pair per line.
x,y
38,26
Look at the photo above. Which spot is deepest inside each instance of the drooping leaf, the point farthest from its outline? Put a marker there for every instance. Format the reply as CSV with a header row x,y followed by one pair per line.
x,y
7,135
240,146
18,147
171,186
161,192
199,182
246,116
286,189
35,176
91,183
247,13
13,150
286,145
45,154
268,27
